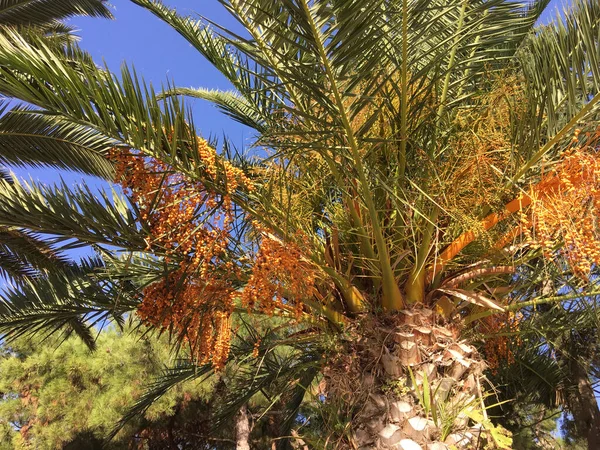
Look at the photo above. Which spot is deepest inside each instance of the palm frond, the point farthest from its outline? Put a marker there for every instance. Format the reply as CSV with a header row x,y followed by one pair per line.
x,y
231,103
72,300
331,64
82,214
283,371
39,12
281,374
560,64
125,110
28,138
261,103
54,33
25,255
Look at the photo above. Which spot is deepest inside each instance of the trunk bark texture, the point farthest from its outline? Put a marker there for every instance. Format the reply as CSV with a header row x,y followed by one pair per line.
x,y
585,406
410,384
242,430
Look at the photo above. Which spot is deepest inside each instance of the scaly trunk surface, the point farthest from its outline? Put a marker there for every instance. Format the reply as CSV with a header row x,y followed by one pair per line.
x,y
585,406
408,383
242,429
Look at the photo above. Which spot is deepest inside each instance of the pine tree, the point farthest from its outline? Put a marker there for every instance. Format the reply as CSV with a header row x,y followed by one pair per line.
x,y
62,395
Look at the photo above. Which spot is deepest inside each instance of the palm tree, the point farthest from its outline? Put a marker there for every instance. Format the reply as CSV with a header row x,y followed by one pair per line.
x,y
34,140
413,161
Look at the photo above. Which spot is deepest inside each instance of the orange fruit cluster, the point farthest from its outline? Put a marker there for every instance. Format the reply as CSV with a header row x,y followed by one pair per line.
x,y
565,208
498,349
190,225
198,311
280,279
469,180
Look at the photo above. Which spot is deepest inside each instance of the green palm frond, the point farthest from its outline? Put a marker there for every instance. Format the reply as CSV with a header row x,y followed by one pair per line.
x,y
534,377
357,103
71,300
231,103
285,45
284,359
561,63
28,138
83,214
551,339
125,110
329,63
279,376
40,12
57,28
261,103
25,255
54,33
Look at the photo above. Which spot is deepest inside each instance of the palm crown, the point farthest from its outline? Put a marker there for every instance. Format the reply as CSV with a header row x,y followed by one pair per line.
x,y
407,153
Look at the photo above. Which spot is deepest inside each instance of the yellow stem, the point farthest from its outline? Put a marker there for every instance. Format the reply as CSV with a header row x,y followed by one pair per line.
x,y
415,286
469,236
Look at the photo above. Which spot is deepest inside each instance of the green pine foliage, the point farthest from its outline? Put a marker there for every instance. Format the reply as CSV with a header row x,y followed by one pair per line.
x,y
68,397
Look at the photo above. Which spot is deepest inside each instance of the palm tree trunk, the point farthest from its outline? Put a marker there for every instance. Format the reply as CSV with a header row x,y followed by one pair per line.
x,y
242,429
585,406
408,383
